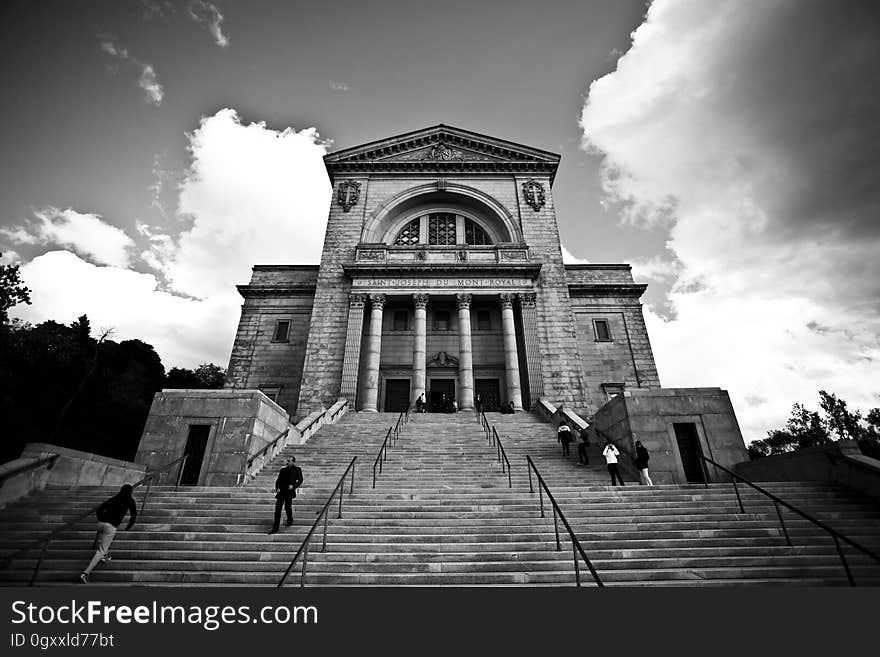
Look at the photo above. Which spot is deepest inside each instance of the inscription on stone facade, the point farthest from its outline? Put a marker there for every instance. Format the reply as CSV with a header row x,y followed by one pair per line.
x,y
451,283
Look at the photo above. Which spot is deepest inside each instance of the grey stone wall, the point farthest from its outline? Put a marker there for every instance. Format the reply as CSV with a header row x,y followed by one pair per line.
x,y
257,361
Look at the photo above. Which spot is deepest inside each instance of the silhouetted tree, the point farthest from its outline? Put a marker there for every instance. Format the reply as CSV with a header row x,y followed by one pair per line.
x,y
206,376
12,290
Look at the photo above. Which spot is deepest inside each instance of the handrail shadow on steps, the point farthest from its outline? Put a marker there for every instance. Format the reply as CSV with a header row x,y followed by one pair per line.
x,y
304,546
45,540
577,548
777,501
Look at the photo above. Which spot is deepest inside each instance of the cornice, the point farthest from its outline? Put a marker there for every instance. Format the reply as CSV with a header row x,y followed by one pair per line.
x,y
526,269
285,290
607,290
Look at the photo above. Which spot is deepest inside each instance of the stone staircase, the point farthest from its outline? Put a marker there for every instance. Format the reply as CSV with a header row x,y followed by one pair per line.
x,y
442,514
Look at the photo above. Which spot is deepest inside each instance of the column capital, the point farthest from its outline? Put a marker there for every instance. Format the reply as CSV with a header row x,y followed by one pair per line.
x,y
506,299
527,299
420,300
356,299
463,301
377,301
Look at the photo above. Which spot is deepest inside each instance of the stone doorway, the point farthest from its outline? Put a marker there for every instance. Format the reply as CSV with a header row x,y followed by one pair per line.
x,y
396,395
689,451
440,387
490,392
196,442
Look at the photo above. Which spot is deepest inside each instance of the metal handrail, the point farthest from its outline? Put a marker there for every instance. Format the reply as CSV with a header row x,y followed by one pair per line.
x,y
836,535
304,547
394,435
49,462
557,512
45,540
383,454
502,456
265,449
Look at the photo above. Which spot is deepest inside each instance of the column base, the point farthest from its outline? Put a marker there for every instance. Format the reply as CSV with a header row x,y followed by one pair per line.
x,y
369,410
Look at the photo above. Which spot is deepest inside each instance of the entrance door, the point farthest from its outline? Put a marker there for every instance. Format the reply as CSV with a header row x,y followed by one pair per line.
x,y
689,450
195,453
396,395
440,387
490,392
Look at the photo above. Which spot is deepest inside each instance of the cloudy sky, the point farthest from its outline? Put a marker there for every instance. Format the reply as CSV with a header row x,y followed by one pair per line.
x,y
153,151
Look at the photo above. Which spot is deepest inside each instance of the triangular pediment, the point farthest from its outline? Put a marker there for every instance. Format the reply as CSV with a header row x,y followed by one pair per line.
x,y
443,148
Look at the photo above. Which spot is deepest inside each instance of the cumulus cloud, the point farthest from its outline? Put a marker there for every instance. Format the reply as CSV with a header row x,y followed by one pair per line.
x,y
87,234
185,331
146,79
749,129
208,16
252,195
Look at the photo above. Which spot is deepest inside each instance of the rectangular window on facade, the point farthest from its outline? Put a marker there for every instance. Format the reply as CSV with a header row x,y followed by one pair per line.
x,y
441,320
612,389
271,392
282,331
484,320
401,320
603,333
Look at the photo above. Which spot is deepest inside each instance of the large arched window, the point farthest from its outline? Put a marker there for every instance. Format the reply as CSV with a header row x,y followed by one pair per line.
x,y
442,229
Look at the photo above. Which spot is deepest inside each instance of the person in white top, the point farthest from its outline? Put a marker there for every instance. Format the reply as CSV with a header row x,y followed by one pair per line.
x,y
611,453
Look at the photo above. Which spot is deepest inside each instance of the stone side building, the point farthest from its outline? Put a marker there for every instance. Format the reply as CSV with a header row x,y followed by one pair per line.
x,y
442,273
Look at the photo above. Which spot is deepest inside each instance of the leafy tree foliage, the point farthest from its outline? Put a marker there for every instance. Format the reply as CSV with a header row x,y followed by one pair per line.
x,y
807,428
60,385
12,290
206,376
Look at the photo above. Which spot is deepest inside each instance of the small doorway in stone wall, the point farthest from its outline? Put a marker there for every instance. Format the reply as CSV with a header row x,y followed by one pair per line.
x,y
440,387
396,395
490,392
689,450
196,442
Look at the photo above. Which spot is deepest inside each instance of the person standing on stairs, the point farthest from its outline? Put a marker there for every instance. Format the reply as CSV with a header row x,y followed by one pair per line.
x,y
289,479
611,453
563,435
642,464
583,442
109,515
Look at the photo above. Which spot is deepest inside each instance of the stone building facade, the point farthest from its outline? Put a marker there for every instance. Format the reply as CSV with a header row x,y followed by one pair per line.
x,y
441,273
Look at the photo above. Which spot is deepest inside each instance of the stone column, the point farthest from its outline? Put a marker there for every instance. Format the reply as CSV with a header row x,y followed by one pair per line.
x,y
374,353
352,358
511,361
420,324
530,335
465,354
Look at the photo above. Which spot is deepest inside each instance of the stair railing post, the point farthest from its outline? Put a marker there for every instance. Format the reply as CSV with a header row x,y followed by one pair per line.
x,y
849,576
324,542
39,562
341,491
556,529
180,469
302,577
374,475
529,470
147,494
738,498
351,490
782,522
541,496
577,565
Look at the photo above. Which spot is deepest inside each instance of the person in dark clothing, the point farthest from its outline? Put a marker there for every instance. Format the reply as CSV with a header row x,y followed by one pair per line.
x,y
563,435
289,479
109,515
583,442
478,403
420,404
642,464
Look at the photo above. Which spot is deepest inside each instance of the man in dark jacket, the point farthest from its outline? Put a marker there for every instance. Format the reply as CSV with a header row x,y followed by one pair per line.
x,y
109,515
289,479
